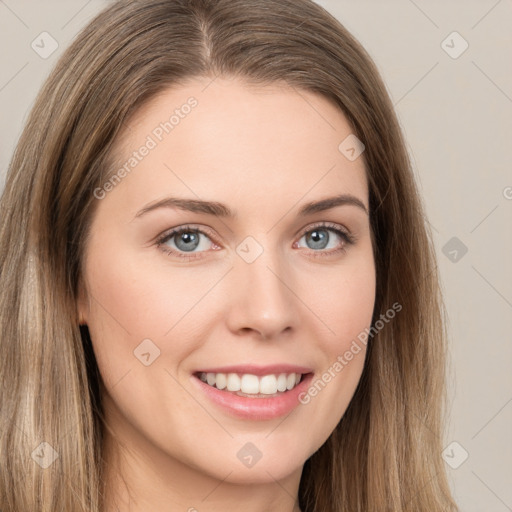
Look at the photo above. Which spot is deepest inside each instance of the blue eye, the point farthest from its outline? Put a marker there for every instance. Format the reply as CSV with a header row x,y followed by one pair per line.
x,y
189,242
321,237
184,240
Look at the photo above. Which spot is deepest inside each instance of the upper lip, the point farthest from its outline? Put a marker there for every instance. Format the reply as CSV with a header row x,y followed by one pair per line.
x,y
257,370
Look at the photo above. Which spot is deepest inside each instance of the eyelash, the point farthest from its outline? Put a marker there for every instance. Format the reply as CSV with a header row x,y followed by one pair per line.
x,y
348,239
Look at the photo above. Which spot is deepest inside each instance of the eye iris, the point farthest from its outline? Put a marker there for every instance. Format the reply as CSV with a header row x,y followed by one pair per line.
x,y
320,238
190,240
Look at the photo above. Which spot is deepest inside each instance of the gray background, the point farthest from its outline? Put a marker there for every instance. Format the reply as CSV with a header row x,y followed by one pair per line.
x,y
457,117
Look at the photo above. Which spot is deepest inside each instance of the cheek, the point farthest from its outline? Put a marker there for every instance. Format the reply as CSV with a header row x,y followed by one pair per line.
x,y
134,298
344,302
345,308
121,302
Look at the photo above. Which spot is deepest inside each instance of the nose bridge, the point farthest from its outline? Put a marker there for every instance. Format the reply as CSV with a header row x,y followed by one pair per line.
x,y
261,298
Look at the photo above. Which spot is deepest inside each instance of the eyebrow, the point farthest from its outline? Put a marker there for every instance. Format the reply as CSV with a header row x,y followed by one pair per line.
x,y
221,210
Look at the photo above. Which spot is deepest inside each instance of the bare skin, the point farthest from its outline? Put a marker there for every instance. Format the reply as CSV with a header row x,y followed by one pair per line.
x,y
264,152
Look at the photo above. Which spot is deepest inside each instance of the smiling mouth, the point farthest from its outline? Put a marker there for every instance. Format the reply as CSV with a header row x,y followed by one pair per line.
x,y
252,386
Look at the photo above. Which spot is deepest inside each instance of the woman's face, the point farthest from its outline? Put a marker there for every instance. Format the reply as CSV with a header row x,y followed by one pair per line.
x,y
265,279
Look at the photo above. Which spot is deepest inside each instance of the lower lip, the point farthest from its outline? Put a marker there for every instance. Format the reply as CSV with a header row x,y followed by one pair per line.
x,y
255,408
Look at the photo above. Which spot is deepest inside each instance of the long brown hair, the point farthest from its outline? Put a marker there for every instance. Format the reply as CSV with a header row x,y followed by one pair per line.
x,y
385,454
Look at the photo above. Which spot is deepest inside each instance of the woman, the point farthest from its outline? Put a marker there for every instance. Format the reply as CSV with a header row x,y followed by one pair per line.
x,y
190,171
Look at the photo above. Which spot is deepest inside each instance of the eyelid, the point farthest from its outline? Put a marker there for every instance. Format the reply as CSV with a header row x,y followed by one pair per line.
x,y
168,234
351,238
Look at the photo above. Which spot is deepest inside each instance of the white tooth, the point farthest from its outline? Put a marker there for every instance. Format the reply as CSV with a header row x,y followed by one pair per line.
x,y
268,385
250,384
281,382
221,381
233,382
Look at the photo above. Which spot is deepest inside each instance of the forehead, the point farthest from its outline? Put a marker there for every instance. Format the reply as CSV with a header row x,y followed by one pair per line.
x,y
238,143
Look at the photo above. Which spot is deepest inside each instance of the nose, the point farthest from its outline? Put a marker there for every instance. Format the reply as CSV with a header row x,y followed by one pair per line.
x,y
261,298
